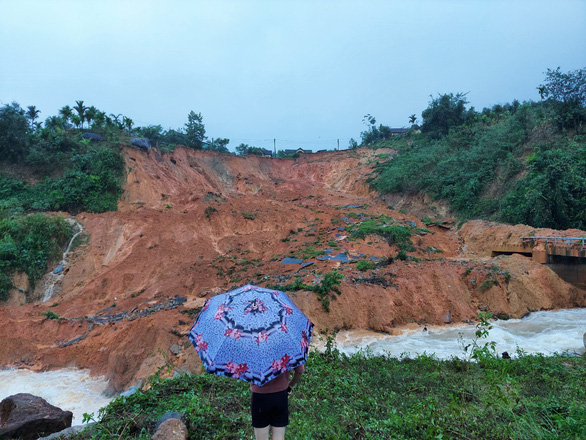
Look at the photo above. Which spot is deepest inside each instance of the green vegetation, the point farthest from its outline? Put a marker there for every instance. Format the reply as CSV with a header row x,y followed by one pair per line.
x,y
516,163
364,265
51,315
27,244
309,251
360,397
387,228
328,284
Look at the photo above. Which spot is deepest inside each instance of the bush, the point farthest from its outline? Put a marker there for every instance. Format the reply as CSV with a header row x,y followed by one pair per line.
x,y
364,265
513,168
91,183
27,244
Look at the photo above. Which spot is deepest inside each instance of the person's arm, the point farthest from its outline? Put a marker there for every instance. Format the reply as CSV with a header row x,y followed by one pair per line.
x,y
296,378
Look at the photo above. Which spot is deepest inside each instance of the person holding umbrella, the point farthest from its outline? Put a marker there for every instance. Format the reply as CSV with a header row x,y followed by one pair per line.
x,y
257,335
269,405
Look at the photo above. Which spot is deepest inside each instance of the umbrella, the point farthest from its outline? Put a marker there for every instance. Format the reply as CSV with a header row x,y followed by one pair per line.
x,y
252,334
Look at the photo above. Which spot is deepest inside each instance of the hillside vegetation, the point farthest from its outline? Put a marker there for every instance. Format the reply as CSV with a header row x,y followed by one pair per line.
x,y
514,163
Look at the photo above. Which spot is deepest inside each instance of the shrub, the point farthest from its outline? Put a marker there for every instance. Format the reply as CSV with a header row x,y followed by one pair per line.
x,y
364,265
27,244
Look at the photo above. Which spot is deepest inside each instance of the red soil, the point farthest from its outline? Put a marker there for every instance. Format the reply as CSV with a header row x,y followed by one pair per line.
x,y
195,223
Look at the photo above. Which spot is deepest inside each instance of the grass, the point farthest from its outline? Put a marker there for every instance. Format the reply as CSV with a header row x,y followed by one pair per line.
x,y
363,397
325,289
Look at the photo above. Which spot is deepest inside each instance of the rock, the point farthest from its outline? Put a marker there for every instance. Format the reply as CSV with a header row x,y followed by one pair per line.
x,y
169,415
27,417
93,137
290,260
175,349
68,433
141,143
59,269
130,391
171,429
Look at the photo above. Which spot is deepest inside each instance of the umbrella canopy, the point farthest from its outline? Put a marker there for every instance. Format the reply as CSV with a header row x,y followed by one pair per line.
x,y
252,334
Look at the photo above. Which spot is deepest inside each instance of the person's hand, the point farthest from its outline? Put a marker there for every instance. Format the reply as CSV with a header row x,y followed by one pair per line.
x,y
289,389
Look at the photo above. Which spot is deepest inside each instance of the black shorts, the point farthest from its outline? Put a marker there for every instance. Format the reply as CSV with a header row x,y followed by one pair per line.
x,y
270,409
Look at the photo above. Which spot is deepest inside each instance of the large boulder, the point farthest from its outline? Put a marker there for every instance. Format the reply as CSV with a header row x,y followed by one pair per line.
x,y
171,429
93,137
141,143
28,417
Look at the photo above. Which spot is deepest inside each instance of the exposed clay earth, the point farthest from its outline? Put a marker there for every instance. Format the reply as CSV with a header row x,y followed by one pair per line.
x,y
192,224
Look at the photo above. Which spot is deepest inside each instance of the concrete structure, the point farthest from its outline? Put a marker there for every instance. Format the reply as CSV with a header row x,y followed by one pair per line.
x,y
564,255
544,249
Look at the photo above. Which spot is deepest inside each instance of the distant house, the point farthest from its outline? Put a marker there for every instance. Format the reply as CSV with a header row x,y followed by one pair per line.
x,y
266,153
298,151
399,131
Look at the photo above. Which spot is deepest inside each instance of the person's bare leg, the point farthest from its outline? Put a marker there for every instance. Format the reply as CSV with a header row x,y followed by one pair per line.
x,y
262,433
278,433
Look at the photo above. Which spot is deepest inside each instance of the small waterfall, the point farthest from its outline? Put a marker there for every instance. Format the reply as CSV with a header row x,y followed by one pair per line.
x,y
57,275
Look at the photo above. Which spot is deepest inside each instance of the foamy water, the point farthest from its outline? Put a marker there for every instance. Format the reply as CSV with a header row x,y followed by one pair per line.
x,y
69,389
541,332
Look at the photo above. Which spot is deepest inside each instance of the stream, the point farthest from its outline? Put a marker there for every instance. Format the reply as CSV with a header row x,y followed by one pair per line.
x,y
57,275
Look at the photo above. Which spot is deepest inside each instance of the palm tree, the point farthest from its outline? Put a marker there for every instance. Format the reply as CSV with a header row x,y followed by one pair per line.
x,y
80,109
76,120
412,119
128,123
66,113
32,114
116,119
90,114
100,119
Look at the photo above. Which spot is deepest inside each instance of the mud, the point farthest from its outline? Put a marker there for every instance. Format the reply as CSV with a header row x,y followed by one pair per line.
x,y
192,224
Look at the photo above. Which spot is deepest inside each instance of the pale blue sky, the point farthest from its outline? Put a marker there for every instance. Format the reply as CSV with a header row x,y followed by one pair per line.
x,y
304,72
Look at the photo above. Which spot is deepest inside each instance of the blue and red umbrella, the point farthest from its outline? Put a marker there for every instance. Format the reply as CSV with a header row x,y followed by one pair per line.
x,y
252,334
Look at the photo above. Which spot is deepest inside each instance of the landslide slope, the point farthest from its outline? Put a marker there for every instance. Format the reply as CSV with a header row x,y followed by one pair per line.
x,y
192,224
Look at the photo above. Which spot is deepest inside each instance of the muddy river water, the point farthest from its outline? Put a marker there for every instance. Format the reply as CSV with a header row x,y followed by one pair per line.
x,y
541,332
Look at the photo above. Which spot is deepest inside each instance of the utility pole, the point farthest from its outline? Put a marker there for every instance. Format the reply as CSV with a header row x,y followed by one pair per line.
x,y
275,147
338,144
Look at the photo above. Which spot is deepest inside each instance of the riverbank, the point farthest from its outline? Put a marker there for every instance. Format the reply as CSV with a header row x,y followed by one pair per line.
x,y
544,332
355,397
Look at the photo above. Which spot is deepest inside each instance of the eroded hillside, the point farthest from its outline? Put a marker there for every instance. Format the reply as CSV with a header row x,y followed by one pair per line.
x,y
192,224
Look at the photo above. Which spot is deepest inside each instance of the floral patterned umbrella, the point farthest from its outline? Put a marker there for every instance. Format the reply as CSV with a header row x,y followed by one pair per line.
x,y
252,334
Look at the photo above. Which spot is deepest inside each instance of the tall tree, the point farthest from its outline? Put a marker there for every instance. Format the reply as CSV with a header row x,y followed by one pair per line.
x,y
13,132
194,131
90,115
219,145
444,112
32,114
117,120
80,109
66,113
128,124
566,95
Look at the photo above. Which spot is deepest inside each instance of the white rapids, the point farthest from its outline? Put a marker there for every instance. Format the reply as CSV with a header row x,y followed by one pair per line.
x,y
69,389
540,332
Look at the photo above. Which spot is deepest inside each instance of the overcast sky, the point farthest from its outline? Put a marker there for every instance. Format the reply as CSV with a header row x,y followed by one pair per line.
x,y
303,72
